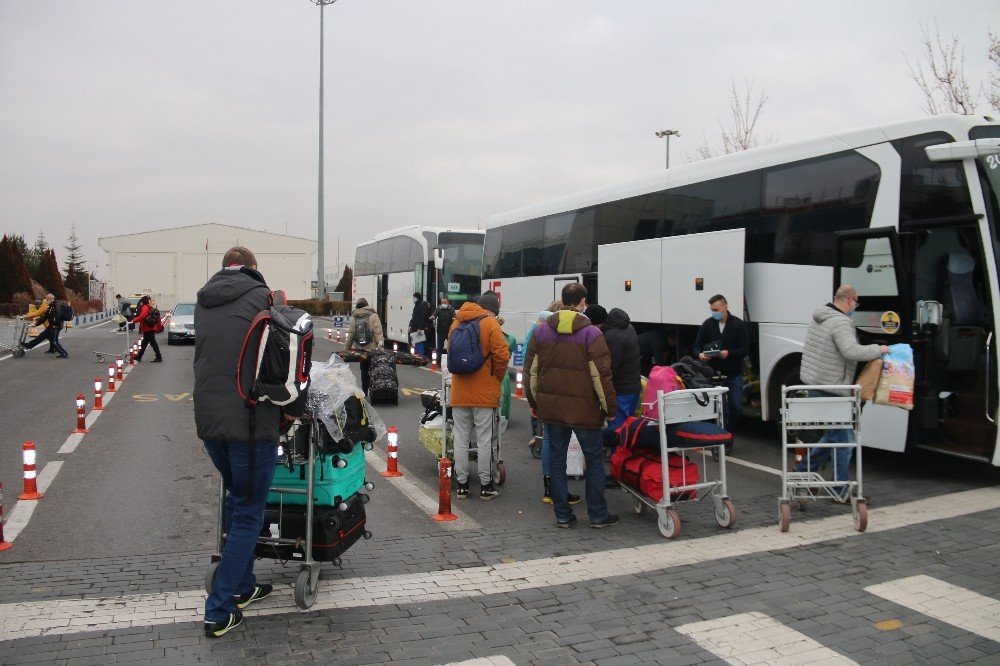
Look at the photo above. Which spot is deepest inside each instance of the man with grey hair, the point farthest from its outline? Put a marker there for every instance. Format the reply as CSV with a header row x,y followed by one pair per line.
x,y
240,439
47,313
830,357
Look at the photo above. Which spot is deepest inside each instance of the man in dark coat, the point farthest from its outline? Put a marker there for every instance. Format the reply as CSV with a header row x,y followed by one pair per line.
x,y
625,366
242,442
443,316
723,343
419,320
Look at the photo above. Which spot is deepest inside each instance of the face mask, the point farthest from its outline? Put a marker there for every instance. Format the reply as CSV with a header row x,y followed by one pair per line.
x,y
717,316
414,300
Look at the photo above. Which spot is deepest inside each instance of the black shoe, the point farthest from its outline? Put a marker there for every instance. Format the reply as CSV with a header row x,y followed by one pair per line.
x,y
158,359
488,492
463,491
573,499
217,629
63,356
611,519
610,483
50,351
258,592
566,524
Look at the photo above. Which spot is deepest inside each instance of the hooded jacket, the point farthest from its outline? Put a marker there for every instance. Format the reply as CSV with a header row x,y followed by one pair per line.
x,y
569,372
623,343
482,387
374,325
831,352
226,305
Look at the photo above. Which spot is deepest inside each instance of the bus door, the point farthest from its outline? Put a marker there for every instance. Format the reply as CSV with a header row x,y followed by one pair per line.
x,y
952,337
382,300
563,280
870,261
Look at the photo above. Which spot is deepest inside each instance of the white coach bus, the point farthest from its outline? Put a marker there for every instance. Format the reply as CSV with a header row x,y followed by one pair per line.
x,y
436,262
906,212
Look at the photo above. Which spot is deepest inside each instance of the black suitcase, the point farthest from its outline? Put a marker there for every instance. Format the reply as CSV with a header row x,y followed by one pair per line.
x,y
383,387
335,529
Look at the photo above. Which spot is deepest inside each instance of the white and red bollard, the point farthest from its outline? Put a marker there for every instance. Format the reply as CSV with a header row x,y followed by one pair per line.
x,y
131,355
395,346
519,391
444,494
4,544
413,350
434,359
81,415
338,335
111,378
119,369
392,460
30,475
98,395
329,334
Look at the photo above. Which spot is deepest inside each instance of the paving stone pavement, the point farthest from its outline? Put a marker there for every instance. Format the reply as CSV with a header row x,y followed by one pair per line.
x,y
817,590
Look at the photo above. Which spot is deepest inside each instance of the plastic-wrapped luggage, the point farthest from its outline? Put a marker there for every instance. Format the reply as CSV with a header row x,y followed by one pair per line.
x,y
383,385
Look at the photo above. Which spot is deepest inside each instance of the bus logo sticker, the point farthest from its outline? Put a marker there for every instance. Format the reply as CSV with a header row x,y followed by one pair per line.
x,y
890,322
454,287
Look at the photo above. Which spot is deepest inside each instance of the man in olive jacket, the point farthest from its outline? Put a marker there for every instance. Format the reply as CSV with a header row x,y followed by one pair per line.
x,y
570,391
226,305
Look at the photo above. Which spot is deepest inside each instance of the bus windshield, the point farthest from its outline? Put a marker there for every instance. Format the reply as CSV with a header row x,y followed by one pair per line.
x,y
462,273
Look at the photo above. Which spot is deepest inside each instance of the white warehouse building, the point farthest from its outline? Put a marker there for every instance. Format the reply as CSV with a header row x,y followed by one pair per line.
x,y
172,264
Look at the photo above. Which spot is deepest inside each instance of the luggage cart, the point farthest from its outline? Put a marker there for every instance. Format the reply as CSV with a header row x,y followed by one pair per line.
x,y
800,411
680,407
291,450
14,339
101,355
498,471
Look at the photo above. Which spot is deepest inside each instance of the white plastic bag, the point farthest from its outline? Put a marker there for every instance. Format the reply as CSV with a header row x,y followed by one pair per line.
x,y
575,463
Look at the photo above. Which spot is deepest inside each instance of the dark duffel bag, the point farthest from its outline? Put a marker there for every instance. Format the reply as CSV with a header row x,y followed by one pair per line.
x,y
334,529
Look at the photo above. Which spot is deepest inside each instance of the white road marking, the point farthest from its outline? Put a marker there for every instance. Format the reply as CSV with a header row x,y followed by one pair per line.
x,y
69,446
945,602
4,358
498,660
70,616
755,638
419,493
753,465
21,513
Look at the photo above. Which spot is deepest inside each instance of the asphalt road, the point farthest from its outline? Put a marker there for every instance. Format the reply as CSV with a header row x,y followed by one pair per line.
x,y
140,484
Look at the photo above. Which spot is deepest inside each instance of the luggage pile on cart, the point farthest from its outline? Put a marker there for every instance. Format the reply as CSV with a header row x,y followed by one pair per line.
x,y
807,412
661,470
315,507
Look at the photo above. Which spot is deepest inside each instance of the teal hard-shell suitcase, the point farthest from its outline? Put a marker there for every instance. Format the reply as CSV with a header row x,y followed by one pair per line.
x,y
332,484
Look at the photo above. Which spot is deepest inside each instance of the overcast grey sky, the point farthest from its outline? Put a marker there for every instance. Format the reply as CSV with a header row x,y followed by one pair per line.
x,y
131,115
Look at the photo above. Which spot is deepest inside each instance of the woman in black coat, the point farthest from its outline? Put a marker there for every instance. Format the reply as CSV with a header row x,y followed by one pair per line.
x,y
625,367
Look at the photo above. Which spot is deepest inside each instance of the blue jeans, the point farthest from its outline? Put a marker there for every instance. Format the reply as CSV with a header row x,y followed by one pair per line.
x,y
243,519
47,334
626,406
842,456
546,465
593,453
733,407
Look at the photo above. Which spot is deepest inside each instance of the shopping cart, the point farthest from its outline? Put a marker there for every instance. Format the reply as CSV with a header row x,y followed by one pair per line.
x,y
803,411
15,333
681,407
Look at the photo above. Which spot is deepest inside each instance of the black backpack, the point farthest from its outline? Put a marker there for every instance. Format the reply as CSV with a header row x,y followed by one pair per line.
x,y
282,356
362,332
153,318
65,312
465,352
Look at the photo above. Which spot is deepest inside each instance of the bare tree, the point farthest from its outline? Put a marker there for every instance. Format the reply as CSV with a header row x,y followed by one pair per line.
x,y
944,84
993,53
742,133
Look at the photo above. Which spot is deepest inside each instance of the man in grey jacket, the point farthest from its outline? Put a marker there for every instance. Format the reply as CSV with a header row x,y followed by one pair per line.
x,y
830,357
241,441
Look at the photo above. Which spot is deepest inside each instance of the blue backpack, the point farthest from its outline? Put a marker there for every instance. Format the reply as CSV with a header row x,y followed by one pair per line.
x,y
465,353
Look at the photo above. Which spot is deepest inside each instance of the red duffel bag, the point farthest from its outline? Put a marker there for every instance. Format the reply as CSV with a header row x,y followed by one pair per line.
x,y
641,469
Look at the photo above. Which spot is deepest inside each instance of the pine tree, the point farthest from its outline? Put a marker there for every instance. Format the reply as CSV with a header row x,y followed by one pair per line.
x,y
33,257
49,277
13,275
346,280
74,269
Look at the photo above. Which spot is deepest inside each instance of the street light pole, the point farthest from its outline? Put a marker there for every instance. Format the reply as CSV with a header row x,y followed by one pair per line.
x,y
320,283
666,134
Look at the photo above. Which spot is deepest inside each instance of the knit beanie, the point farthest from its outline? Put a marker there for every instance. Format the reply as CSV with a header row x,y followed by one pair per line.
x,y
596,314
489,301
